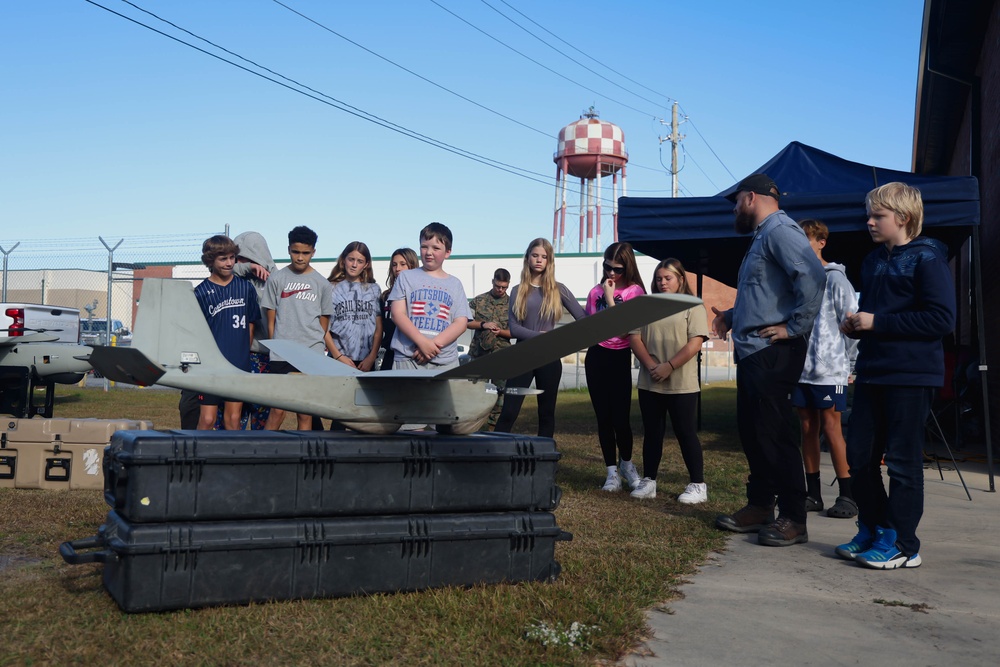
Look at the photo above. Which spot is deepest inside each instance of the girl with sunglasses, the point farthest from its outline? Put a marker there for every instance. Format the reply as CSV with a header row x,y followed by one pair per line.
x,y
609,367
668,384
536,306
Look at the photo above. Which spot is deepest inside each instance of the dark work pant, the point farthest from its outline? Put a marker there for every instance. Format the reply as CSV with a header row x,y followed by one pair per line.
x,y
547,379
682,409
189,409
609,381
889,420
769,427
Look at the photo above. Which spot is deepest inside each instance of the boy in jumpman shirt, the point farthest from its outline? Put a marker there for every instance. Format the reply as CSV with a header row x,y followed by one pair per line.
x,y
230,307
297,305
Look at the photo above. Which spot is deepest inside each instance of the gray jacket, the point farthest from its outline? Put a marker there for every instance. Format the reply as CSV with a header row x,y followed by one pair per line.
x,y
254,247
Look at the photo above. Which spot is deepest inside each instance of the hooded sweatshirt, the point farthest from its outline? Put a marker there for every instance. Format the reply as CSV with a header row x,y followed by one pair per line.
x,y
910,292
830,353
254,247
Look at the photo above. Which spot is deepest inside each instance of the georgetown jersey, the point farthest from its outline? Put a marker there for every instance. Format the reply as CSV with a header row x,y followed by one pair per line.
x,y
229,310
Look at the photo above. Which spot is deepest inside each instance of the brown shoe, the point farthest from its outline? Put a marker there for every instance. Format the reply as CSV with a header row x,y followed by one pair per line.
x,y
748,519
783,533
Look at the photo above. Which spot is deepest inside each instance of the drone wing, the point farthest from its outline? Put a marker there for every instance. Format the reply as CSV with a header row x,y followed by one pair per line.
x,y
534,352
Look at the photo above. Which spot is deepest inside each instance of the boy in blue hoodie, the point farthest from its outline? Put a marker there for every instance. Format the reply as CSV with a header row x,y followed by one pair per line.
x,y
907,306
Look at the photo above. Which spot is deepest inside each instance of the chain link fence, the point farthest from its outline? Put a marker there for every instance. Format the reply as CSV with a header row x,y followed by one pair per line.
x,y
98,275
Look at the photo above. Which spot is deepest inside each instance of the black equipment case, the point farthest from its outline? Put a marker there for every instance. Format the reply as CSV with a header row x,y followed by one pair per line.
x,y
156,567
159,476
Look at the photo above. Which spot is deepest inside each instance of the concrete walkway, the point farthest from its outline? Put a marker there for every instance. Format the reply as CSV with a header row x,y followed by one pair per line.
x,y
802,605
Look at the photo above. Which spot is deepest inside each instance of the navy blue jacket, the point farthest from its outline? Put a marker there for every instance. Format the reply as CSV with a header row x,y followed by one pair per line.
x,y
910,292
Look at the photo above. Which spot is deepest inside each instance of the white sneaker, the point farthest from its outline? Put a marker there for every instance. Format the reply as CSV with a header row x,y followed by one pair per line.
x,y
646,488
613,483
628,471
694,494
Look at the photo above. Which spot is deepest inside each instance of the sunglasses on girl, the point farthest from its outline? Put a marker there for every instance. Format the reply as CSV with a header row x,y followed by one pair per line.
x,y
617,270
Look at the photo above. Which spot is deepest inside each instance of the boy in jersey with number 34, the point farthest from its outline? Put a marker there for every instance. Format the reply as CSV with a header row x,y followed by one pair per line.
x,y
230,307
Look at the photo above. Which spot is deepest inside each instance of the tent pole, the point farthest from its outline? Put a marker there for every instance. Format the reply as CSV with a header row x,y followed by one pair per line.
x,y
975,163
983,366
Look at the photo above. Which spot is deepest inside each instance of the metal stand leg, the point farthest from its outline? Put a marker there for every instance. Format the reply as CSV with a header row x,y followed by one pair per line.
x,y
937,425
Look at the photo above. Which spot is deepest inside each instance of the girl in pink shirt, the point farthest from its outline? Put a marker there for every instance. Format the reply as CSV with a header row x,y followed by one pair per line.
x,y
609,367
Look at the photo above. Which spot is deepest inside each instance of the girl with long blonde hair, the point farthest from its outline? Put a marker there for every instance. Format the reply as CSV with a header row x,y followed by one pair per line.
x,y
536,306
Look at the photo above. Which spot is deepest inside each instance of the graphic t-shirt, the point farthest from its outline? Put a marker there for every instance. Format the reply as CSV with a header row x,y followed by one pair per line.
x,y
431,304
355,310
596,302
228,309
299,300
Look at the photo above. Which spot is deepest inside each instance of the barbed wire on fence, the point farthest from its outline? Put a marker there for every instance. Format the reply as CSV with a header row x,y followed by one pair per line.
x,y
82,272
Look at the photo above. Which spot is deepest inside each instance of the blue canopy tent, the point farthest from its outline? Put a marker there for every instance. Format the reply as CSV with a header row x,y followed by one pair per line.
x,y
814,184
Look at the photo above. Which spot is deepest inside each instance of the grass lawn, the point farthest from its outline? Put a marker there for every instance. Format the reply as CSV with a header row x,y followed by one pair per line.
x,y
625,557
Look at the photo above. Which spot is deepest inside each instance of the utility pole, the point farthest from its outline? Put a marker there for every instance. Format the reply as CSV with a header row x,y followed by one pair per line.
x,y
674,138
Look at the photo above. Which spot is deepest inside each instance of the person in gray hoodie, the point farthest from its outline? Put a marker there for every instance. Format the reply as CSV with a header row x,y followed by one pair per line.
x,y
255,264
821,396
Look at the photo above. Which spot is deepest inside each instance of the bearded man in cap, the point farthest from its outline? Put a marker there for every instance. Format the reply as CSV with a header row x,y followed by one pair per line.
x,y
778,294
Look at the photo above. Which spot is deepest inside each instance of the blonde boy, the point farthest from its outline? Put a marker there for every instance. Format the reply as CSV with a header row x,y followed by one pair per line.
x,y
907,306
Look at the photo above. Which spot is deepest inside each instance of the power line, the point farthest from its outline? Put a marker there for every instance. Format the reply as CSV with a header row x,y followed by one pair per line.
x,y
545,67
695,127
565,55
584,53
423,78
329,101
409,71
333,102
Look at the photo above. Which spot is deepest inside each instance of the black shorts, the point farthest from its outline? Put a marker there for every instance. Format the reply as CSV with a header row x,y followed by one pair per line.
x,y
210,399
282,368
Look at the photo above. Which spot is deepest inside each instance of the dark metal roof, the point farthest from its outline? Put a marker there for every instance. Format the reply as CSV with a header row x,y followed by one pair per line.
x,y
950,47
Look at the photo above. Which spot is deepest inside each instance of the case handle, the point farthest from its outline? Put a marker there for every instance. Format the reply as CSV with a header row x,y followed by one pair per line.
x,y
68,551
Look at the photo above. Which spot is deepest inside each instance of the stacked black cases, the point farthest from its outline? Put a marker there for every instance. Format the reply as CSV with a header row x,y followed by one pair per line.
x,y
208,518
198,475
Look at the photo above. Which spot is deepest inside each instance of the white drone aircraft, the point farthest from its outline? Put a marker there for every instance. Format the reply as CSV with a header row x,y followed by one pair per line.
x,y
174,347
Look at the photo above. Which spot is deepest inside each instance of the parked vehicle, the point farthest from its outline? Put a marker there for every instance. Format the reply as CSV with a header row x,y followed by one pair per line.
x,y
94,331
21,319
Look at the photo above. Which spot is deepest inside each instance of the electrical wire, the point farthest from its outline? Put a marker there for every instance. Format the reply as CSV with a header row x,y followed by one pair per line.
x,y
584,53
409,71
567,56
545,67
330,101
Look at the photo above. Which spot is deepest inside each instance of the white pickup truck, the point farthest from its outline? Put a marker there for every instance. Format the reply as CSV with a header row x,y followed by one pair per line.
x,y
18,319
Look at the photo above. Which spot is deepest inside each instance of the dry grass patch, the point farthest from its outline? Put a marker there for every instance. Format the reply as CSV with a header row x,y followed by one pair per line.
x,y
626,556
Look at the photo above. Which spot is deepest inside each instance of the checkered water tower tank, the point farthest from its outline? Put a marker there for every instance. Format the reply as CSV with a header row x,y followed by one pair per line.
x,y
590,150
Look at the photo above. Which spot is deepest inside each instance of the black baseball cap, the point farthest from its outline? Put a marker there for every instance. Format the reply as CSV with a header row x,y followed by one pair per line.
x,y
760,184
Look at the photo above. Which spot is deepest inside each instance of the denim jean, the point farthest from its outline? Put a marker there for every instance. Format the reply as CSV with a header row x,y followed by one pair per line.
x,y
769,428
889,421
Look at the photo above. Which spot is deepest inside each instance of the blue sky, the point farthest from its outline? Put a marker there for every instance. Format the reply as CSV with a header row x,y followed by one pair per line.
x,y
111,129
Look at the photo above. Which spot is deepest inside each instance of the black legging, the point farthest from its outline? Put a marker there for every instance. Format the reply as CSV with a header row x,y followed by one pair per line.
x,y
683,410
547,379
609,380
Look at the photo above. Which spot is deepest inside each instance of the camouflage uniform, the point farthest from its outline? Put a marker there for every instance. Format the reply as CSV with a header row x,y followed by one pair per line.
x,y
488,308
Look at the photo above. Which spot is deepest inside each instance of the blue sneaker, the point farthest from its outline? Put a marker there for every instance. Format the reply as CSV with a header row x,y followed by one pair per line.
x,y
860,542
884,554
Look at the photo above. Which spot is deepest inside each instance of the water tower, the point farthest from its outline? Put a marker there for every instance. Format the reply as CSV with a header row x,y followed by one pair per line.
x,y
589,149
